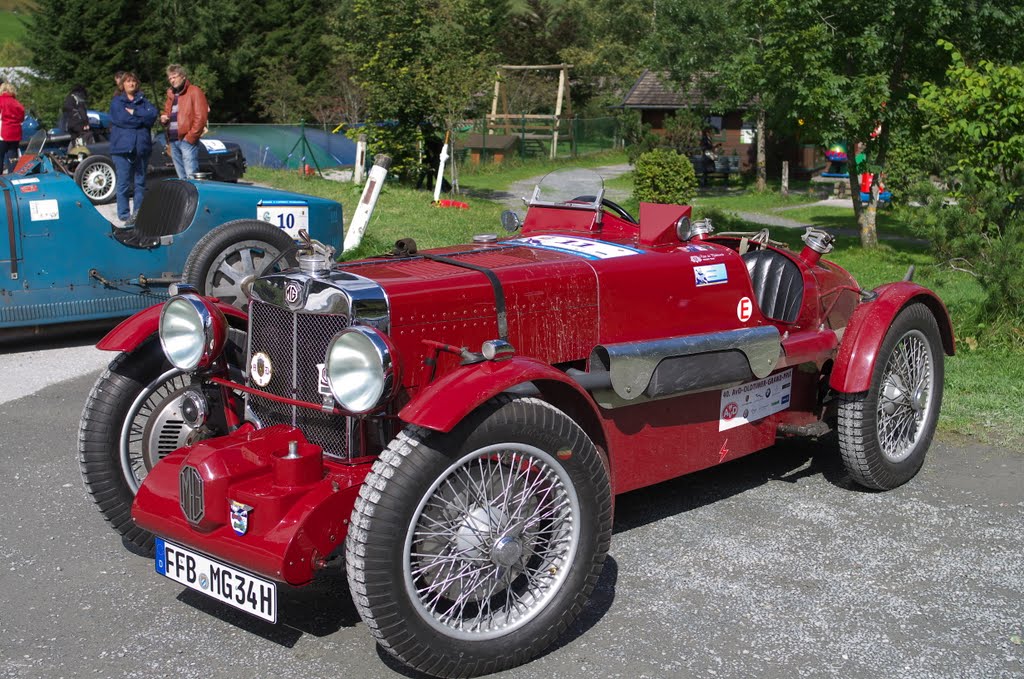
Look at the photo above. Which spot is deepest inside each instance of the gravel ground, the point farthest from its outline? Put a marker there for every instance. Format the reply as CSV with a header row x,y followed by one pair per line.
x,y
769,566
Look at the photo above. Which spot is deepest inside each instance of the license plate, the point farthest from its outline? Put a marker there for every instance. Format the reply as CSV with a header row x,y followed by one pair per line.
x,y
231,585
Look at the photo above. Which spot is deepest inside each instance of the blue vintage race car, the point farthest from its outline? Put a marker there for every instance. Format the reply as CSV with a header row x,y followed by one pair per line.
x,y
62,262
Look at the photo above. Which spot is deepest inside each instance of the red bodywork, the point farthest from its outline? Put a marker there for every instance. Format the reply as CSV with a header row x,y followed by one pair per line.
x,y
560,306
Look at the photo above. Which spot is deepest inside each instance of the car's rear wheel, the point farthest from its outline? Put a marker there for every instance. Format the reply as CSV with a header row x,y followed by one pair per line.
x,y
884,433
226,261
95,176
470,552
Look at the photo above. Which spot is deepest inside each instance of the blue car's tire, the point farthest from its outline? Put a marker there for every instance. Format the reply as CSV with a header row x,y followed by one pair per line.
x,y
226,261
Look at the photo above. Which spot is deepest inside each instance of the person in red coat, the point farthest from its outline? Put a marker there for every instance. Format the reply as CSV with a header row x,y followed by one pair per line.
x,y
12,115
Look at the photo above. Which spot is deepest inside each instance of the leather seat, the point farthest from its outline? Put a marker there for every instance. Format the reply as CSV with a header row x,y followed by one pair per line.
x,y
167,209
778,284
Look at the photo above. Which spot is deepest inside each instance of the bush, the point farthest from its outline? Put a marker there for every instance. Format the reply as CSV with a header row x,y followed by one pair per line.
x,y
664,176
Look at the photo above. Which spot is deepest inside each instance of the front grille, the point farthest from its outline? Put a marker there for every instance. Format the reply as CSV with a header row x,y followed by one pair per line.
x,y
296,343
190,494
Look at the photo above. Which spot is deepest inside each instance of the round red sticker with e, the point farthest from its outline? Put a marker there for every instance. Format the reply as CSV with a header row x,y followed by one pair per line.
x,y
744,309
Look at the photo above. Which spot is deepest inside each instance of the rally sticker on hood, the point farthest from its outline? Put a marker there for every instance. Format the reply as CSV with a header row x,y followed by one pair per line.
x,y
43,210
584,247
290,216
754,400
214,146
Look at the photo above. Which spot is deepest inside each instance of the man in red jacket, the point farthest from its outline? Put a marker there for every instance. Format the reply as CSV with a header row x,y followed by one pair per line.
x,y
12,115
185,114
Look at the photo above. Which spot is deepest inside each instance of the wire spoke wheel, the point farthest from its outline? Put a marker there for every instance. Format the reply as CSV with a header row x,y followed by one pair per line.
x,y
905,398
471,551
884,433
492,541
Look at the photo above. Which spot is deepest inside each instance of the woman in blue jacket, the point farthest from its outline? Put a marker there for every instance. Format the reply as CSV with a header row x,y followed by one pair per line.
x,y
131,119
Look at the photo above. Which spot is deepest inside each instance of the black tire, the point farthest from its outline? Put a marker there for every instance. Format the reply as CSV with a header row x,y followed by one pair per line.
x,y
884,433
225,261
112,446
95,176
432,505
131,421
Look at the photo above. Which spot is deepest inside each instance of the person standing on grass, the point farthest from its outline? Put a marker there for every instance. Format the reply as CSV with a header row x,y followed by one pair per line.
x,y
185,114
131,118
12,115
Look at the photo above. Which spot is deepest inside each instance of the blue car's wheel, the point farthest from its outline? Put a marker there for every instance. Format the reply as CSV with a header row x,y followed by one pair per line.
x,y
95,176
226,261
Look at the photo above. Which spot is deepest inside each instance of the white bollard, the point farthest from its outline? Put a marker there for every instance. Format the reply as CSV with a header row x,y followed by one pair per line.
x,y
361,217
440,172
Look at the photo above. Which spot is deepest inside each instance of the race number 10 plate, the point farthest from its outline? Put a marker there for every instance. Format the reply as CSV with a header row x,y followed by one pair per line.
x,y
234,587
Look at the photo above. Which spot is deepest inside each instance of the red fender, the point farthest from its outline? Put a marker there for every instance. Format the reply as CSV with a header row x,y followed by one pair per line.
x,y
133,331
866,330
446,402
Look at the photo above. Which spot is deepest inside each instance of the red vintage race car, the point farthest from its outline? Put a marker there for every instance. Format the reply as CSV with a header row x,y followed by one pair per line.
x,y
456,423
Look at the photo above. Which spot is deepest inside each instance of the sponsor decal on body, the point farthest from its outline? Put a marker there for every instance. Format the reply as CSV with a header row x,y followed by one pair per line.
x,y
290,216
744,309
587,248
710,274
755,400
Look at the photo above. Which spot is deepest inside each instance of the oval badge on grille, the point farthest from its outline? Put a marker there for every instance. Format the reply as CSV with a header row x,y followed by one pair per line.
x,y
261,369
292,292
190,494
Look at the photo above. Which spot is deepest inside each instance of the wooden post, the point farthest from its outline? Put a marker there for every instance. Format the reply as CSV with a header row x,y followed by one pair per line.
x,y
558,111
785,178
358,168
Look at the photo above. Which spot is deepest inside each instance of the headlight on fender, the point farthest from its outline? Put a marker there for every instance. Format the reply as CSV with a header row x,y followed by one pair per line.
x,y
192,331
360,369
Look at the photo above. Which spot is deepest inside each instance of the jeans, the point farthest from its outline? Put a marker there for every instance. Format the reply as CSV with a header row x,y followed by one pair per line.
x,y
129,172
8,155
185,157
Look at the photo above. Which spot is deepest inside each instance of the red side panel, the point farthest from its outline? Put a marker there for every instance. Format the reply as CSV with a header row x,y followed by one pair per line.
x,y
866,331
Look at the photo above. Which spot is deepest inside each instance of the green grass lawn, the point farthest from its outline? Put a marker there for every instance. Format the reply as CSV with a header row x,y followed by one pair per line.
x,y
984,384
11,28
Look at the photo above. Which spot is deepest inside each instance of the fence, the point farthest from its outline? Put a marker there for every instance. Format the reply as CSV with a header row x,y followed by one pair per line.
x,y
282,147
523,137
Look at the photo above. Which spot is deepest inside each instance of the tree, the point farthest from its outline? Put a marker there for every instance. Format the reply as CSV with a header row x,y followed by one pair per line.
x,y
833,64
417,63
973,120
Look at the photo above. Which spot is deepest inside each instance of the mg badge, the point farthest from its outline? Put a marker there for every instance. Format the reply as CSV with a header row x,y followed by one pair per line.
x,y
292,292
240,517
261,369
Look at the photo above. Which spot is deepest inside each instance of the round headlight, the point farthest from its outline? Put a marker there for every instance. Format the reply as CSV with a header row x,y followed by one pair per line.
x,y
189,332
359,369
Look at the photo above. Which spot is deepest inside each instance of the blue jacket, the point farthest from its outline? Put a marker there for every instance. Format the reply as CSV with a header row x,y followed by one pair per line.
x,y
131,131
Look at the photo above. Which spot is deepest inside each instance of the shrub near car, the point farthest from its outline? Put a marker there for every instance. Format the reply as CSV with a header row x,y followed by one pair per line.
x,y
457,422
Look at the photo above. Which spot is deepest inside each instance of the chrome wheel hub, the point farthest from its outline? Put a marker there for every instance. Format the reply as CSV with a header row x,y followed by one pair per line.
x,y
153,426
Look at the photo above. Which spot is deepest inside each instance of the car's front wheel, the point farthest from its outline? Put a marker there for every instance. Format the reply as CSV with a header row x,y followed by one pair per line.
x,y
470,552
95,176
885,432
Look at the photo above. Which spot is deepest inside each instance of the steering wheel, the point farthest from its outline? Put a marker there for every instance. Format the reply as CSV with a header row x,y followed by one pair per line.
x,y
611,206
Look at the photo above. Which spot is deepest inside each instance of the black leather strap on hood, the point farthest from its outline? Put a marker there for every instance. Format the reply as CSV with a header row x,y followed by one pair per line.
x,y
499,293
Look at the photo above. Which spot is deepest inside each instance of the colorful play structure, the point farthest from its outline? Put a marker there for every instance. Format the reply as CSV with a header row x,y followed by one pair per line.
x,y
838,161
